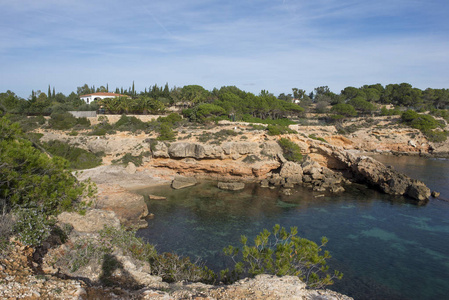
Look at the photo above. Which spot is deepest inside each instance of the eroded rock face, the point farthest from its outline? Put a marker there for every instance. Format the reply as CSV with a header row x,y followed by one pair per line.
x,y
292,172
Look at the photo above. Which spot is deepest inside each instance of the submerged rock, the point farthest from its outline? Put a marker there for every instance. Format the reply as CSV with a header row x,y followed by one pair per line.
x,y
231,186
181,182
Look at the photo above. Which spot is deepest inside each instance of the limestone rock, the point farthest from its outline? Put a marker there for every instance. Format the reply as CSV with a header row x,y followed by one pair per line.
x,y
182,150
155,197
131,168
182,182
130,208
160,150
292,172
388,180
92,221
435,194
231,186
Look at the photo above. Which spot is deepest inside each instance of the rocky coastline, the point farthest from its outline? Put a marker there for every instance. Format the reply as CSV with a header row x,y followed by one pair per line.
x,y
328,166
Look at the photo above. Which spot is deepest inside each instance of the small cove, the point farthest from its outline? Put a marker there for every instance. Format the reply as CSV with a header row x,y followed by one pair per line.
x,y
386,246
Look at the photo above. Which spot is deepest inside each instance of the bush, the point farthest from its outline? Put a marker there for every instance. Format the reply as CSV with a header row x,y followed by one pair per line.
x,y
77,157
166,132
29,179
279,129
132,124
64,121
281,253
419,121
33,225
314,137
291,151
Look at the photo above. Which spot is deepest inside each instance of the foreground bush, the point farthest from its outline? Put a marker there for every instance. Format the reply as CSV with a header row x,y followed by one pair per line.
x,y
32,181
281,253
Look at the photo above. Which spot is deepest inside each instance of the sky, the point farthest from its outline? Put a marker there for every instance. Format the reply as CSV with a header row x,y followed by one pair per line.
x,y
273,45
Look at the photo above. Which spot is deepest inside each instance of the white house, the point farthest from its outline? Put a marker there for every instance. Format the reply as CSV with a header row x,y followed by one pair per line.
x,y
88,98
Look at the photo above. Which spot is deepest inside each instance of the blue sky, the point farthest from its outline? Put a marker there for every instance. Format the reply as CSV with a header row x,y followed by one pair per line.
x,y
274,45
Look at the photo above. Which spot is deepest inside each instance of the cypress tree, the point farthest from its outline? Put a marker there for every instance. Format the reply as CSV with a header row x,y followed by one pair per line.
x,y
49,92
54,93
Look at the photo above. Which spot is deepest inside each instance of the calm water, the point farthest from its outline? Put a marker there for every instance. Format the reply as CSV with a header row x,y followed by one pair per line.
x,y
387,247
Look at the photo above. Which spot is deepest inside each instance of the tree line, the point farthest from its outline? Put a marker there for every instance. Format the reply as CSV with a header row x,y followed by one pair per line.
x,y
232,103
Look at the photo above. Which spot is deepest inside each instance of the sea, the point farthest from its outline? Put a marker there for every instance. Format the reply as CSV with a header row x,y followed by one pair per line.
x,y
388,247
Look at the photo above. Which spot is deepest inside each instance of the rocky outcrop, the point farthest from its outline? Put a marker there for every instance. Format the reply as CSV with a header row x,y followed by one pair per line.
x,y
366,170
181,182
130,208
92,221
231,186
388,180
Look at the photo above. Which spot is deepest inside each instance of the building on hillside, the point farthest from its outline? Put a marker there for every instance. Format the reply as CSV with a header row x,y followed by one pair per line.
x,y
88,98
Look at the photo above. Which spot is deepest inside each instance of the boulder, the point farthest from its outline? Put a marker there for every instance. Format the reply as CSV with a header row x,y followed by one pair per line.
x,y
231,186
129,207
160,149
271,149
292,172
181,182
183,150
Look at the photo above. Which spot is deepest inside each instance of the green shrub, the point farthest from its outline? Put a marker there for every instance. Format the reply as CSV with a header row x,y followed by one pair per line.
x,y
291,151
419,121
314,137
279,129
29,178
64,121
436,136
33,225
281,253
132,124
102,129
77,157
166,132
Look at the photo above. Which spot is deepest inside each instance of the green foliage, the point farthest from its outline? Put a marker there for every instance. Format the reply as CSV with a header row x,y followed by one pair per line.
x,y
77,157
281,253
291,150
361,105
30,180
33,225
102,129
166,132
203,113
132,124
436,136
389,112
345,110
279,129
281,121
64,121
314,137
419,121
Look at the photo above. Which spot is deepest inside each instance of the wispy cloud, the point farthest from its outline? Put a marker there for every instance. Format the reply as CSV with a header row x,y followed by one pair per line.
x,y
274,45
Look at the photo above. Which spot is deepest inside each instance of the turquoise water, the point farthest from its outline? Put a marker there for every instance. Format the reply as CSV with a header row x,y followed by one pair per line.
x,y
387,247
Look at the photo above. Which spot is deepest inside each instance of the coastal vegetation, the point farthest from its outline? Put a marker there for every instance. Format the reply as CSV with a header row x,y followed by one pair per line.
x,y
36,180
